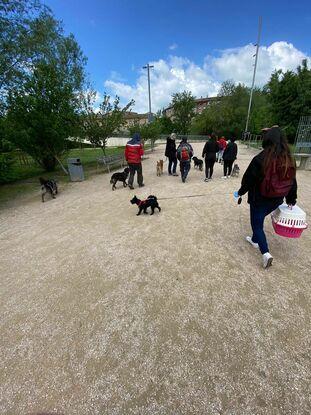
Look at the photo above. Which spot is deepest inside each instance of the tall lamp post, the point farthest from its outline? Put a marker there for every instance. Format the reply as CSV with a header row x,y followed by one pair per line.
x,y
254,76
148,67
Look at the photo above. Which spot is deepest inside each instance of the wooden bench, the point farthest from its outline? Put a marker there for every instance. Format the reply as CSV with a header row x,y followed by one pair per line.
x,y
107,161
303,157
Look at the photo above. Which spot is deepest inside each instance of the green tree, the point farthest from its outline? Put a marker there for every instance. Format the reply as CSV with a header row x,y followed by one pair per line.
x,y
43,112
183,104
148,131
227,116
98,125
165,124
289,96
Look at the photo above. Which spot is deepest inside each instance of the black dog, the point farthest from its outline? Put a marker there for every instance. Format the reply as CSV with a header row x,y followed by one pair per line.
x,y
119,177
198,163
48,186
143,205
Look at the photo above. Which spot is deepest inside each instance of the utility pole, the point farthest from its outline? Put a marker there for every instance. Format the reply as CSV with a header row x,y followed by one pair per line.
x,y
254,75
148,67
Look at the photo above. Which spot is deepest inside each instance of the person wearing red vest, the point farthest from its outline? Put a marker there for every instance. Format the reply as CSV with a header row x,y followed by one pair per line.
x,y
133,153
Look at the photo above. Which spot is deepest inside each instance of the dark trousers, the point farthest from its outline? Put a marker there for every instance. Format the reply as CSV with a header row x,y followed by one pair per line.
x,y
228,167
184,169
258,214
133,168
209,168
172,161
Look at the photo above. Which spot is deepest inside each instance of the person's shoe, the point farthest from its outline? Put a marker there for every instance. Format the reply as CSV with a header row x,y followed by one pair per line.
x,y
175,174
228,177
254,244
183,179
224,177
170,174
267,259
206,179
131,187
141,185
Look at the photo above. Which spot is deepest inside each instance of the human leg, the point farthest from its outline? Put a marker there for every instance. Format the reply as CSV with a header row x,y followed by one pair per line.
x,y
170,162
211,168
230,164
132,174
140,179
174,165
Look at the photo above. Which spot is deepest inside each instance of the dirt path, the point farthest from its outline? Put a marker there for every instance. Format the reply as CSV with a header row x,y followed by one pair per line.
x,y
103,312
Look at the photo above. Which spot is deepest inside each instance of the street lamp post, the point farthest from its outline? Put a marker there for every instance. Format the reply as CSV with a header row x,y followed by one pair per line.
x,y
254,75
148,67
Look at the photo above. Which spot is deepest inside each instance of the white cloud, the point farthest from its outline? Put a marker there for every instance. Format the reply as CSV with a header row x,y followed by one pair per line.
x,y
176,74
168,76
173,46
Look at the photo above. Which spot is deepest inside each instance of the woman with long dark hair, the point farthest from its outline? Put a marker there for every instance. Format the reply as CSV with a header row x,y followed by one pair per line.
x,y
269,178
209,153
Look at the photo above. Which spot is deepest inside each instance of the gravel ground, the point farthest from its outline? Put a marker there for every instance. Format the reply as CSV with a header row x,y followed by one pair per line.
x,y
103,312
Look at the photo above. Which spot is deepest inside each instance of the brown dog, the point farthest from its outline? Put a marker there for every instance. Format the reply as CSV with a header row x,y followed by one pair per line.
x,y
159,168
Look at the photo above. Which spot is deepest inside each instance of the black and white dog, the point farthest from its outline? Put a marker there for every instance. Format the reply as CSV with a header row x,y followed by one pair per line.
x,y
119,177
198,163
143,205
48,186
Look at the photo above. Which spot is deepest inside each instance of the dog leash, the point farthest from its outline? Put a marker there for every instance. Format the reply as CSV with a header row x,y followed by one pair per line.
x,y
188,196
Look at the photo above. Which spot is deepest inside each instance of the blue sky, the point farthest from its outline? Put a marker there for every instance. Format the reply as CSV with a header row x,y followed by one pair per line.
x,y
193,44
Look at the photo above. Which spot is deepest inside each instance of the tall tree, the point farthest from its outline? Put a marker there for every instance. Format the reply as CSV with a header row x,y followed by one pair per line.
x,y
289,96
100,124
43,111
183,104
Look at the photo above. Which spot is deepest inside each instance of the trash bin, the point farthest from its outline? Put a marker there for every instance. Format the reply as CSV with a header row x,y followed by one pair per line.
x,y
75,169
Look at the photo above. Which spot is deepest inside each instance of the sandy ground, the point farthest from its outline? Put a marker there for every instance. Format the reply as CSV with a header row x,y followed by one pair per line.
x,y
103,312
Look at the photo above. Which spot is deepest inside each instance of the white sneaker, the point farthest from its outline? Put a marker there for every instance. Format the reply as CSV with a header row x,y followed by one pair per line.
x,y
224,177
254,244
228,177
267,259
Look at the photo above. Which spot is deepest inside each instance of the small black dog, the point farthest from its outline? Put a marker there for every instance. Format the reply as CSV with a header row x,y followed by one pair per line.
x,y
198,163
48,186
143,205
119,177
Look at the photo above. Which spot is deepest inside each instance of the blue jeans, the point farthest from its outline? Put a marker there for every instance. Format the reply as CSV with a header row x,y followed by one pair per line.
x,y
258,214
184,169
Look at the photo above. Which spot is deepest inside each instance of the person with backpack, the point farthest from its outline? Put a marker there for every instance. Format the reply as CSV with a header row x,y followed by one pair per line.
x,y
270,177
209,153
133,154
229,156
184,154
170,153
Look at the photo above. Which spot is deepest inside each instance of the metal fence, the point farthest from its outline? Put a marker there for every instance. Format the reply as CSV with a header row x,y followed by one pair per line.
x,y
252,140
303,136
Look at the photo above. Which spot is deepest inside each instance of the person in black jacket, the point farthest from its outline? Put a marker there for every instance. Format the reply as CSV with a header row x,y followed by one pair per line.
x,y
275,150
209,152
229,156
170,153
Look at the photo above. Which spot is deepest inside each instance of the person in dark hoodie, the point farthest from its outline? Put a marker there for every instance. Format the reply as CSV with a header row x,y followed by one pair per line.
x,y
269,178
229,155
170,153
209,152
133,153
